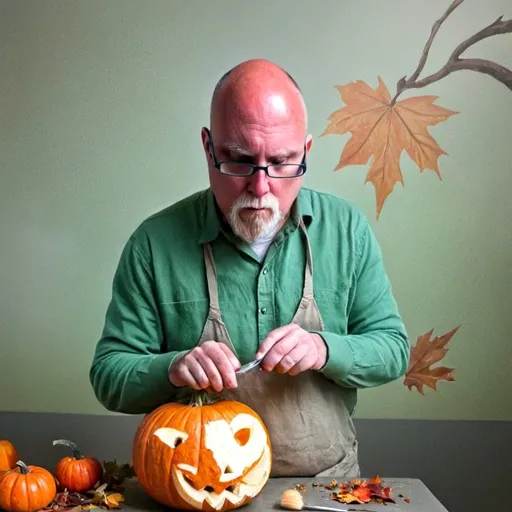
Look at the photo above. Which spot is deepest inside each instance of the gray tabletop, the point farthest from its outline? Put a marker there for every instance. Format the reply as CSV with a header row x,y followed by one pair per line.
x,y
421,499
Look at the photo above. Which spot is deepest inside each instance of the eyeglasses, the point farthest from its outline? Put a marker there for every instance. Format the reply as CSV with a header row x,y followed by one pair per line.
x,y
243,169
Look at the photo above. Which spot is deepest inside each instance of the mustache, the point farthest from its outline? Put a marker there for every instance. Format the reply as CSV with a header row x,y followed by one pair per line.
x,y
267,201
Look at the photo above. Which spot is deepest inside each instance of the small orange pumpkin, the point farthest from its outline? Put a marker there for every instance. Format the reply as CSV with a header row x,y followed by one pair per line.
x,y
26,488
77,473
8,455
207,455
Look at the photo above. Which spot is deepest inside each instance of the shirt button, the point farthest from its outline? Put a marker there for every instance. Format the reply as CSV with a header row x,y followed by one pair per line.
x,y
263,311
265,271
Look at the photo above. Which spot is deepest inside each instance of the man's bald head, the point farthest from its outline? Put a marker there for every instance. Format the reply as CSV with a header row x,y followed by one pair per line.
x,y
255,79
225,77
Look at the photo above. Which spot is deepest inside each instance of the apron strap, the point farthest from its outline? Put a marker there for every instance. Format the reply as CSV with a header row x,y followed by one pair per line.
x,y
308,271
211,276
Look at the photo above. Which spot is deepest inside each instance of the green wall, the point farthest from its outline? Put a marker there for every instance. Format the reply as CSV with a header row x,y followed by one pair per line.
x,y
101,105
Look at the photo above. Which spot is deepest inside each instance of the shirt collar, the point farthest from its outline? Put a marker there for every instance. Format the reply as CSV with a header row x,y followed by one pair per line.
x,y
211,216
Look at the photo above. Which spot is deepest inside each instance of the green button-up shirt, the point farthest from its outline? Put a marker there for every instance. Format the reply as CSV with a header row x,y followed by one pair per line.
x,y
160,297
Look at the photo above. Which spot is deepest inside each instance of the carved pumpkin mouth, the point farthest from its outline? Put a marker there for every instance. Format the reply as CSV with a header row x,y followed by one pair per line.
x,y
246,486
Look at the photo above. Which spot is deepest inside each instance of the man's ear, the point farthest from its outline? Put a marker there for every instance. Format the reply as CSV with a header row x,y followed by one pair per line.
x,y
309,143
205,139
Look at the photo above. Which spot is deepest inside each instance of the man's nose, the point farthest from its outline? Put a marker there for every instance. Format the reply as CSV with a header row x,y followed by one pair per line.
x,y
258,183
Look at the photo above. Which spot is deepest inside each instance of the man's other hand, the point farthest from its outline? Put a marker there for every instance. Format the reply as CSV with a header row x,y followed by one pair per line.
x,y
210,366
291,349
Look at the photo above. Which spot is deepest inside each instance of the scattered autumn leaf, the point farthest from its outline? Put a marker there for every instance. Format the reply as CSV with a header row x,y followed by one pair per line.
x,y
332,484
425,354
102,497
361,491
384,129
115,474
377,491
114,500
79,508
347,497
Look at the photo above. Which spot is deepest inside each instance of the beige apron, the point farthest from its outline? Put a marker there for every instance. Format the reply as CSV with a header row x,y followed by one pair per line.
x,y
311,430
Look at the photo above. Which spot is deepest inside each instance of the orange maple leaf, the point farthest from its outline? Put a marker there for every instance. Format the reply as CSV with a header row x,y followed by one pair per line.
x,y
384,129
359,495
425,354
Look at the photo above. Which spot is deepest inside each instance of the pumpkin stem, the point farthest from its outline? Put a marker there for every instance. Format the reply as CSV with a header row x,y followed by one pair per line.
x,y
23,467
77,454
202,397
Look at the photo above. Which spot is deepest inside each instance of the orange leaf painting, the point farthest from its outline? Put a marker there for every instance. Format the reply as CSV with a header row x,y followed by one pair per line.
x,y
425,354
383,129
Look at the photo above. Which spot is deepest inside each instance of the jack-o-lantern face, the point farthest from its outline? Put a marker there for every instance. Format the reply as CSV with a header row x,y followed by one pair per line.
x,y
211,457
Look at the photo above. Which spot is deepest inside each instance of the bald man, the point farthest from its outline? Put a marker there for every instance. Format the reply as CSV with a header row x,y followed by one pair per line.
x,y
256,267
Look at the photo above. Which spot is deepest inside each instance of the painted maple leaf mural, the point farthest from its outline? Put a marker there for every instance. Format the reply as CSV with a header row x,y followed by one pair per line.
x,y
383,127
424,354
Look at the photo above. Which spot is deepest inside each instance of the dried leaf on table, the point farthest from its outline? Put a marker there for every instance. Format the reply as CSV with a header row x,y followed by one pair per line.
x,y
65,499
331,485
115,474
425,354
114,500
79,508
363,491
377,491
104,498
358,495
69,501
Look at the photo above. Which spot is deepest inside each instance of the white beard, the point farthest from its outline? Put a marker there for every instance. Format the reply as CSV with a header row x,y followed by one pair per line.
x,y
256,225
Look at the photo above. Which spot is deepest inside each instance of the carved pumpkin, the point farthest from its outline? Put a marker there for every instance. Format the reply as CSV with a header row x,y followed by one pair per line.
x,y
8,455
26,488
202,456
77,473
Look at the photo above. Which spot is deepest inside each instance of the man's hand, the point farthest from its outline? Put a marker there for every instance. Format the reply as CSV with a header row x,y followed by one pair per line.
x,y
291,349
210,366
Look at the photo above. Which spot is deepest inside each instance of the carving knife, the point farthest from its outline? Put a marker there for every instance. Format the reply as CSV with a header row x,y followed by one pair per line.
x,y
249,366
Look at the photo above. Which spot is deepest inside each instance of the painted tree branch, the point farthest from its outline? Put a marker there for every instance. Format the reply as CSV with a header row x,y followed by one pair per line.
x,y
433,33
501,73
455,63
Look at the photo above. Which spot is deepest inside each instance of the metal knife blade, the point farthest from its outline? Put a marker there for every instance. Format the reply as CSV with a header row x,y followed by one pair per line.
x,y
249,366
342,508
335,509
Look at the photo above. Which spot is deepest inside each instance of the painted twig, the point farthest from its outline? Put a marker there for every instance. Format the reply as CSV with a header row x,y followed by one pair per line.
x,y
455,63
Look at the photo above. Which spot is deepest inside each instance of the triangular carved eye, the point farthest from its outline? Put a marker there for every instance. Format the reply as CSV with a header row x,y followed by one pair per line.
x,y
242,436
171,437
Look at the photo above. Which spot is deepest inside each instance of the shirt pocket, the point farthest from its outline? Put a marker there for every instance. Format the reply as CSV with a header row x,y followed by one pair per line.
x,y
333,306
183,323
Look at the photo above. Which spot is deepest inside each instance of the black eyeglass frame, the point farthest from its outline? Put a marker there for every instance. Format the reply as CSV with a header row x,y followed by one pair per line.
x,y
302,166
